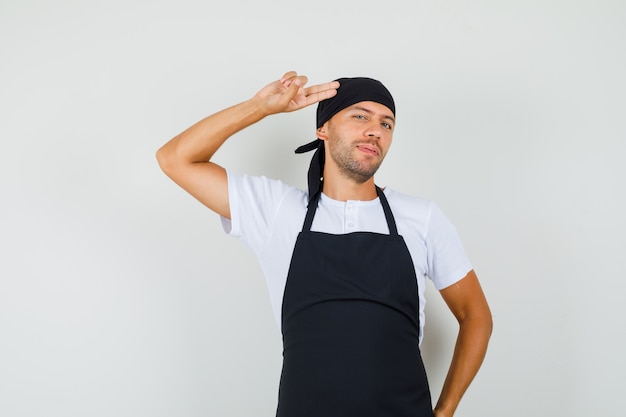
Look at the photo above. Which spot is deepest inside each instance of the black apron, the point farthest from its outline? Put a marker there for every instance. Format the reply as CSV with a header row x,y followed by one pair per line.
x,y
350,324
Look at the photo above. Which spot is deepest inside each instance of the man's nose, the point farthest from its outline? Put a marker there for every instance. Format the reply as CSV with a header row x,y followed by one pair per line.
x,y
373,130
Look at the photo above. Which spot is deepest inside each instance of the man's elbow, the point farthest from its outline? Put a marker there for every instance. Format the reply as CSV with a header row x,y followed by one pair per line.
x,y
165,160
484,316
481,320
489,324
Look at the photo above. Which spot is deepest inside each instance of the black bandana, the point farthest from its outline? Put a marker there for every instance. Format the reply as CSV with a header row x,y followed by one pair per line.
x,y
350,91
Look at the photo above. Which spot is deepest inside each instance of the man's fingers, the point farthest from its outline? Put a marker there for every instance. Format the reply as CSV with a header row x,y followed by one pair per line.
x,y
288,79
321,92
293,87
296,96
288,75
333,85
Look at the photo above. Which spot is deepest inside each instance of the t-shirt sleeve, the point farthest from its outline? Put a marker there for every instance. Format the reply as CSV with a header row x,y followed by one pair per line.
x,y
253,202
446,257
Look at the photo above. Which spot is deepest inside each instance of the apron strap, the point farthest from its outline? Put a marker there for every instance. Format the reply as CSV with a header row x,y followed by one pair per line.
x,y
310,212
312,207
391,221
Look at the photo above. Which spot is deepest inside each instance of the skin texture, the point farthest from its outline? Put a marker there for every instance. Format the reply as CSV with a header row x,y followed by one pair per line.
x,y
356,141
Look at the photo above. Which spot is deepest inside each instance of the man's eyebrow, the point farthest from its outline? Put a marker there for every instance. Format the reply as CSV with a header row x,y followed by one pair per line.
x,y
366,110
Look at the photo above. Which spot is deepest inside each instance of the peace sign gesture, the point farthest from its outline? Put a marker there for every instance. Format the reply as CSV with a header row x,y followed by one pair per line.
x,y
289,94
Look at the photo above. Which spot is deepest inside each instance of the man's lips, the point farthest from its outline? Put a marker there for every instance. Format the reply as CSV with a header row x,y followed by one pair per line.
x,y
368,149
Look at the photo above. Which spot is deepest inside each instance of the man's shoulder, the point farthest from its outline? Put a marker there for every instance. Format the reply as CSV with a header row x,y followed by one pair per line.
x,y
259,187
259,182
409,201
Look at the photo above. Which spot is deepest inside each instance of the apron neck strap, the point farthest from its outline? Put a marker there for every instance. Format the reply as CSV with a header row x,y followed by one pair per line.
x,y
313,202
391,221
310,211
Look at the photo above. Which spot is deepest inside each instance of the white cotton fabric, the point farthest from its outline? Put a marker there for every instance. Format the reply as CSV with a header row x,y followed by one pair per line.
x,y
267,215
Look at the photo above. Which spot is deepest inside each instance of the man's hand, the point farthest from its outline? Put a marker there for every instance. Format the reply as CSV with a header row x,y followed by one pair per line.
x,y
289,94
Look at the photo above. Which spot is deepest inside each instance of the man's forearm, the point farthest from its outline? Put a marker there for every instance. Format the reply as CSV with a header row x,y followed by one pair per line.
x,y
199,142
469,353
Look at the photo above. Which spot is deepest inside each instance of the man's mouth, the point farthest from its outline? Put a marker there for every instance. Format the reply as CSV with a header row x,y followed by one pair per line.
x,y
368,149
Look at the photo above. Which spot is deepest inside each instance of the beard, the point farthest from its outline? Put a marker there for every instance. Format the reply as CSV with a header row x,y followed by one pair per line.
x,y
347,159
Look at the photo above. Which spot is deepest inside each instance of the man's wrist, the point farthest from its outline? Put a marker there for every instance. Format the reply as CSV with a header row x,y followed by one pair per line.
x,y
438,412
444,409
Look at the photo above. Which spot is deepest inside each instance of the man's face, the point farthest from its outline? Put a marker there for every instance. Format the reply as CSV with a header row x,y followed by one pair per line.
x,y
358,139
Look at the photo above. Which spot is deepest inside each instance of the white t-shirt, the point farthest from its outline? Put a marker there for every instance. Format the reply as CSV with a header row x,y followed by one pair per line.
x,y
267,215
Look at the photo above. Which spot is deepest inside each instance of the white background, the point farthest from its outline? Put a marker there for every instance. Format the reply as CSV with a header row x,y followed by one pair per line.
x,y
119,293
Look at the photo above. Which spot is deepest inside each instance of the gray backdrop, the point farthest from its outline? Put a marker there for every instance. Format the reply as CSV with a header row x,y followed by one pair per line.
x,y
121,296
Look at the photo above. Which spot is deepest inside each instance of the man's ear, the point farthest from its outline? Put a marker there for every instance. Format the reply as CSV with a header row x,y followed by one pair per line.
x,y
321,132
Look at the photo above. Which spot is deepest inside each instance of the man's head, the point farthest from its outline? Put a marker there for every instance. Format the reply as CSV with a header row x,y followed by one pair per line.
x,y
350,92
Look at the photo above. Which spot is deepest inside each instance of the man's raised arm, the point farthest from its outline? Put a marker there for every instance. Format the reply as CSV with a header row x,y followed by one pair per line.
x,y
186,158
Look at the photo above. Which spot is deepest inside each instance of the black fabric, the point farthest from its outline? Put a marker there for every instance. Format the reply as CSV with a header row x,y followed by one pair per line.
x,y
350,325
350,91
316,166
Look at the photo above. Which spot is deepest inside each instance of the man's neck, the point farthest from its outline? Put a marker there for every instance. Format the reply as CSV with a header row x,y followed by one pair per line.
x,y
342,189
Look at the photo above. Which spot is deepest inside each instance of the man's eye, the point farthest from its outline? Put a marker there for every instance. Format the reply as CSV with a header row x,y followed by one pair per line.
x,y
386,125
360,116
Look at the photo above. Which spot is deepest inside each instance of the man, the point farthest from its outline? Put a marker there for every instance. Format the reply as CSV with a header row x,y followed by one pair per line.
x,y
345,261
